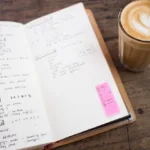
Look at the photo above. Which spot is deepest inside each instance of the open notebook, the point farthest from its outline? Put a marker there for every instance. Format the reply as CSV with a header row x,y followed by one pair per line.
x,y
54,80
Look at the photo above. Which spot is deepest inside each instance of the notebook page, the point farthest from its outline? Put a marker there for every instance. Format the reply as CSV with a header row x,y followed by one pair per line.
x,y
71,69
23,121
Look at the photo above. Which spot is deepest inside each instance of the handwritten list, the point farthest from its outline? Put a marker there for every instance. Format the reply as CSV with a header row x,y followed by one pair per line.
x,y
53,39
21,106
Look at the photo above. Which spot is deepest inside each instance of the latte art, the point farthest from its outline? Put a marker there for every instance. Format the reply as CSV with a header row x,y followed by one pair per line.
x,y
135,20
140,21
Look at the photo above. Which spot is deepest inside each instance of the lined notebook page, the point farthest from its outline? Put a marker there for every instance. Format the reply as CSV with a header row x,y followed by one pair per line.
x,y
79,90
23,121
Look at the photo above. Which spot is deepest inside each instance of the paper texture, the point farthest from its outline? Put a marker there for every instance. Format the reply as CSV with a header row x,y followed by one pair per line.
x,y
23,122
70,64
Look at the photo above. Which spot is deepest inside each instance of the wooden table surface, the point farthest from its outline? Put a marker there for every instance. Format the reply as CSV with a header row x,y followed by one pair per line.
x,y
132,137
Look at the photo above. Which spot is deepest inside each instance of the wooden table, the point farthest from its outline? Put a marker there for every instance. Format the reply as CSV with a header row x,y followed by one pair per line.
x,y
132,137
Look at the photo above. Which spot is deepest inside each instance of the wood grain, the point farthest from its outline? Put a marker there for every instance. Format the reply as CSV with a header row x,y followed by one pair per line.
x,y
132,137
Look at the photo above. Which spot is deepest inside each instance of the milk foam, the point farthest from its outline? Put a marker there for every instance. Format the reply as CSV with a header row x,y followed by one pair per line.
x,y
143,26
135,19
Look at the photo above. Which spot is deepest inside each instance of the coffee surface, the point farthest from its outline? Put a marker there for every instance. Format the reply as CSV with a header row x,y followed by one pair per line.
x,y
135,19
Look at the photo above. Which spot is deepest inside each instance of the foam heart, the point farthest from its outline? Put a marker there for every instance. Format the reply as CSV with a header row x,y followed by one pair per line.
x,y
145,19
135,19
141,22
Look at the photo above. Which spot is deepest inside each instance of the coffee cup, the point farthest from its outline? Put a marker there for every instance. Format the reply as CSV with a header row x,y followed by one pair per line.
x,y
134,35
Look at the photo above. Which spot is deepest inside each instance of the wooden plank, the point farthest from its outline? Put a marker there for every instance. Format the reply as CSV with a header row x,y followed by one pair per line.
x,y
106,12
95,146
108,28
123,3
21,4
112,138
142,144
139,133
136,84
112,45
141,128
138,87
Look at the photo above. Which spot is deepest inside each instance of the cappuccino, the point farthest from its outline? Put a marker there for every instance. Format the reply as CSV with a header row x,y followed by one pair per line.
x,y
134,35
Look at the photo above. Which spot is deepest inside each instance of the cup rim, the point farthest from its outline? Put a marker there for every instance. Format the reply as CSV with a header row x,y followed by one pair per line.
x,y
127,33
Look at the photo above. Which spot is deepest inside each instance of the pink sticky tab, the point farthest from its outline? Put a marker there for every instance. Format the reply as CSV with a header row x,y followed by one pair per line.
x,y
108,100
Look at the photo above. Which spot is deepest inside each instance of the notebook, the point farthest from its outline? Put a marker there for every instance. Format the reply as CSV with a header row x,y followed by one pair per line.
x,y
55,81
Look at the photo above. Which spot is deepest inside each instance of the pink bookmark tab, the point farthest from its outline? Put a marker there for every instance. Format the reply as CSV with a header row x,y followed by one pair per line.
x,y
107,99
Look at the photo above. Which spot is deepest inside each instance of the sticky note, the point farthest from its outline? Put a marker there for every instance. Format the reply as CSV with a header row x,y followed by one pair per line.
x,y
107,99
